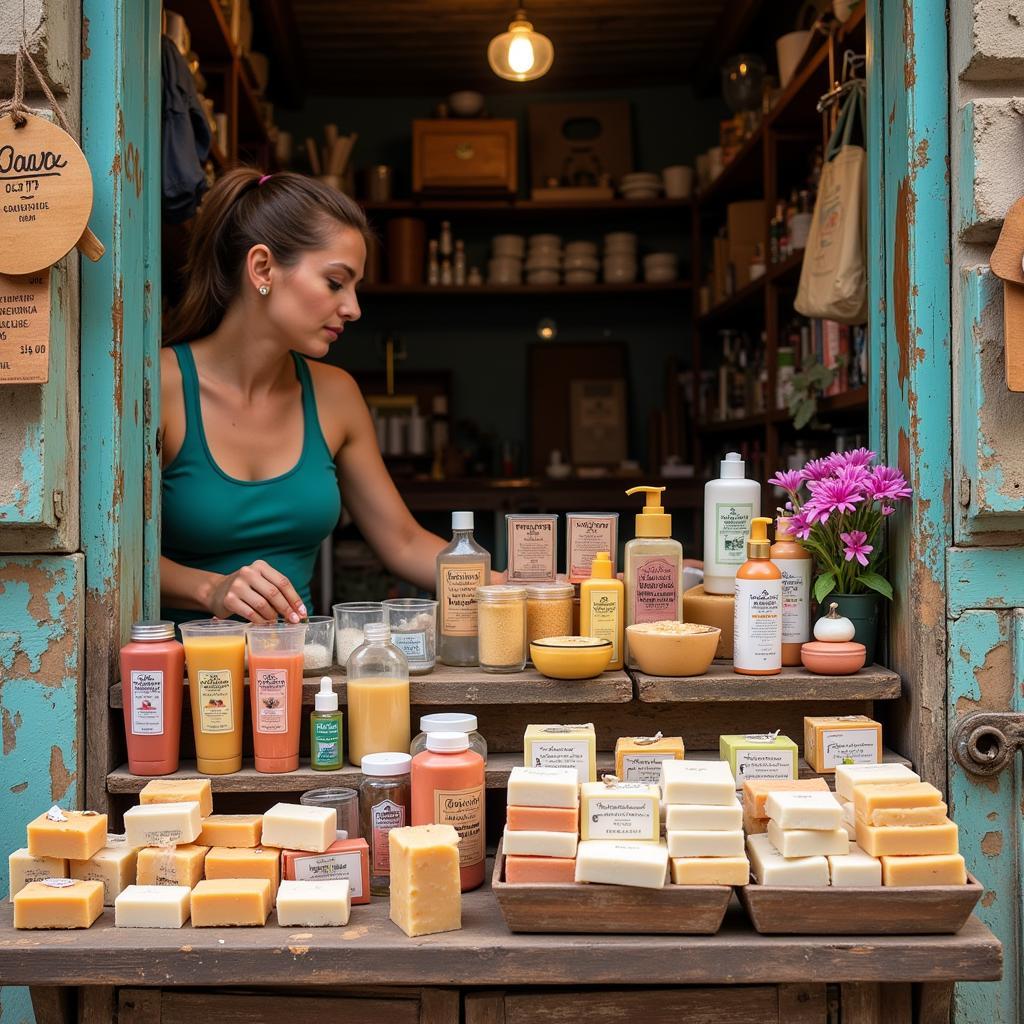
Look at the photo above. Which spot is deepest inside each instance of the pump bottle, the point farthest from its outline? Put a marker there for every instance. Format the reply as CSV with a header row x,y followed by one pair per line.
x,y
757,627
794,561
730,502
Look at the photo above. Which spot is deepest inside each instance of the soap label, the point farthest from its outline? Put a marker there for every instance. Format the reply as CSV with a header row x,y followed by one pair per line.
x,y
531,550
586,536
383,818
147,702
464,810
457,596
796,595
332,865
605,619
554,753
271,699
619,818
412,645
644,767
657,589
849,746
732,527
326,747
214,686
763,764
757,625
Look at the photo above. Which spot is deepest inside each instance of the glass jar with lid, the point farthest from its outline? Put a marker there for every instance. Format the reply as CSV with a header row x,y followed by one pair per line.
x,y
501,624
385,800
548,610
451,721
378,695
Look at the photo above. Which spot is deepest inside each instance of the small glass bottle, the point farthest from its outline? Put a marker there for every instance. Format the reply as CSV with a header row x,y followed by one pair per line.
x,y
433,264
447,277
460,262
449,721
462,567
502,617
445,244
385,798
378,695
326,732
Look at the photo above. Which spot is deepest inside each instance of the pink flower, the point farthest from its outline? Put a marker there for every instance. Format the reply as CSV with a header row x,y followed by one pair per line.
x,y
886,483
800,525
856,546
887,510
816,470
837,495
856,457
788,479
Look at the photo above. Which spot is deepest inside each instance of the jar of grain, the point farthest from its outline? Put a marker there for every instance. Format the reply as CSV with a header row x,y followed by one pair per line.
x,y
501,624
548,610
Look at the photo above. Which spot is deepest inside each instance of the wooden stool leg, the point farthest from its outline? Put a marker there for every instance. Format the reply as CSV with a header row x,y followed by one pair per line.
x,y
53,1005
97,1005
439,1006
936,1003
485,1008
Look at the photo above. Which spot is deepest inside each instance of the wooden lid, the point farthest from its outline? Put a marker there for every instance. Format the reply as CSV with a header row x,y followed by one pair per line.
x,y
1009,250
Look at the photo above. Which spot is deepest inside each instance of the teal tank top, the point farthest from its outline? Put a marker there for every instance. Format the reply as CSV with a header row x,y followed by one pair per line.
x,y
214,522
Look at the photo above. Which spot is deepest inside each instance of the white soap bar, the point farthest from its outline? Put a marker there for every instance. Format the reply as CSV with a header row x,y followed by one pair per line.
x,y
543,787
769,867
806,842
115,866
298,827
705,817
531,843
850,829
644,865
857,868
812,810
23,868
849,812
625,810
163,824
153,906
849,775
314,904
693,843
697,782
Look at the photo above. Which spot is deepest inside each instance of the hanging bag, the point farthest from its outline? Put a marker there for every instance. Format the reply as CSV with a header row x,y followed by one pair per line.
x,y
833,278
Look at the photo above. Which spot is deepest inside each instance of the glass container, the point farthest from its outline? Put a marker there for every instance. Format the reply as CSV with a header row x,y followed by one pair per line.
x,y
385,798
413,624
461,567
548,610
501,612
319,648
275,692
378,696
350,618
344,800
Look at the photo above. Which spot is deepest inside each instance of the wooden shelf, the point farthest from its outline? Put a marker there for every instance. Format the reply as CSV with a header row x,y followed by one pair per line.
x,y
746,302
786,271
673,288
855,398
736,426
516,208
211,38
738,176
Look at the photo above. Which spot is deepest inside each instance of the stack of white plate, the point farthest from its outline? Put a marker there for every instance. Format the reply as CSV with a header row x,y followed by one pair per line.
x,y
506,264
544,260
620,257
661,267
581,263
641,185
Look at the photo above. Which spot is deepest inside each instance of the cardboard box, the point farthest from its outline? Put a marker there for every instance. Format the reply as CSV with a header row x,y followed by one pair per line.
x,y
746,224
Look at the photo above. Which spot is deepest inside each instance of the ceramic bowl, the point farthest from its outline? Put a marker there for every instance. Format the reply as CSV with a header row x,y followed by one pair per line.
x,y
617,273
591,263
581,249
466,103
660,653
544,261
660,275
833,659
640,178
545,241
543,277
571,657
661,259
508,245
639,194
581,277
620,238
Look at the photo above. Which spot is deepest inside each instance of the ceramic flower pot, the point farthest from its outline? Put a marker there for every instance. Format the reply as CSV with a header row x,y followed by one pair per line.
x,y
862,611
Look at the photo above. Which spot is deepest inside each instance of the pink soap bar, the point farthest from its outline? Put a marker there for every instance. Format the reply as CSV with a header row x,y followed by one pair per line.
x,y
519,870
543,819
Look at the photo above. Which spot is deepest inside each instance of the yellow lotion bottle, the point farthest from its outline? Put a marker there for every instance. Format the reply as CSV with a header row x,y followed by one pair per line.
x,y
601,606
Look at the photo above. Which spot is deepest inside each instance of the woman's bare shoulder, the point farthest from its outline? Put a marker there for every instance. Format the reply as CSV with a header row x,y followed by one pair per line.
x,y
332,381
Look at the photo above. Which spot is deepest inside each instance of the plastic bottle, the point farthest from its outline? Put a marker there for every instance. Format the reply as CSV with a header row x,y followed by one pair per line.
x,y
462,567
730,503
653,567
757,626
795,563
378,695
601,606
326,732
275,694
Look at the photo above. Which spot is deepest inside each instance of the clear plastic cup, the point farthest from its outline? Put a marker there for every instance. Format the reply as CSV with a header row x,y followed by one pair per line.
x,y
349,619
275,692
413,623
344,800
319,650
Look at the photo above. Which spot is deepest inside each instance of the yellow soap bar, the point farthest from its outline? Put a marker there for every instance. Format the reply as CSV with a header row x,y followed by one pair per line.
x,y
562,746
712,610
934,815
904,841
179,791
71,835
114,866
235,830
23,868
831,740
426,891
942,869
69,903
227,862
754,826
171,865
710,870
638,758
869,797
231,902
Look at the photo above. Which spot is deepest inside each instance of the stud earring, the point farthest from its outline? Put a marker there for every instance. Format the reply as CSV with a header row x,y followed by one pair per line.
x,y
264,289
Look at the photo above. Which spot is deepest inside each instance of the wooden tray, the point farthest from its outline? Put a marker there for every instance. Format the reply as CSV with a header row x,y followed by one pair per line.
x,y
584,909
878,910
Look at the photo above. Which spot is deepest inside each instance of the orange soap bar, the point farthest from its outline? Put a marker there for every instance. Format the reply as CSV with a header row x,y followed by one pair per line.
x,y
236,830
71,835
230,862
869,798
231,902
757,791
170,865
72,904
519,870
179,791
934,815
543,819
754,826
944,869
907,841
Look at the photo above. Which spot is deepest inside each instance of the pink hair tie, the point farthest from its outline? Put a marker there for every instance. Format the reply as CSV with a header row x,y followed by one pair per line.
x,y
266,177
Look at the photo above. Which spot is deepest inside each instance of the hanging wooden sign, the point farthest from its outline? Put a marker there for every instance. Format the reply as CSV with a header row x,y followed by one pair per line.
x,y
1006,264
45,194
25,328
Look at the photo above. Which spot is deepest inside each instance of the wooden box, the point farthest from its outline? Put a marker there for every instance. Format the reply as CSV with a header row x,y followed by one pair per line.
x,y
465,156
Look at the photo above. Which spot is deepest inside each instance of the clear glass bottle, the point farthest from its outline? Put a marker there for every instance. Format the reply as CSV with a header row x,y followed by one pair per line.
x,y
433,263
385,799
459,266
462,567
450,721
502,625
378,695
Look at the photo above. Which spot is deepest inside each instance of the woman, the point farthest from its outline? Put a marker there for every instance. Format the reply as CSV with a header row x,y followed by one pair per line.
x,y
255,438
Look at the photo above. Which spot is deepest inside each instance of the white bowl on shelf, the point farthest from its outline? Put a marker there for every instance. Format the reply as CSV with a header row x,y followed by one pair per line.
x,y
620,238
661,259
581,276
466,103
546,241
543,277
577,263
640,194
580,249
547,259
508,245
619,273
660,275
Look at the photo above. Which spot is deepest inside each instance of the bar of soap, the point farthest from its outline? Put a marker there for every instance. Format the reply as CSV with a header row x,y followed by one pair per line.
x,y
544,870
769,867
426,891
153,906
544,787
231,902
868,798
938,869
712,610
171,865
759,756
58,903
314,904
543,819
706,817
850,775
562,746
855,870
912,816
831,740
163,824
622,810
243,831
298,827
347,859
539,844
805,842
692,843
179,791
710,870
232,862
757,791
67,835
697,782
755,826
642,865
804,810
638,758
902,841
114,866
23,868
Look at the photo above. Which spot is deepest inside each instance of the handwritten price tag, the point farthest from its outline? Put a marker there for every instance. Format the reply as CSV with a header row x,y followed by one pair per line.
x,y
25,328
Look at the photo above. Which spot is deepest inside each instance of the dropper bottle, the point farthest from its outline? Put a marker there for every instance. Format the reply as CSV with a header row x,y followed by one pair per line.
x,y
757,626
326,735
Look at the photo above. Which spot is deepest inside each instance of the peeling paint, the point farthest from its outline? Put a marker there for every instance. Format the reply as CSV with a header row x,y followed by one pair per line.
x,y
992,844
901,279
988,899
60,778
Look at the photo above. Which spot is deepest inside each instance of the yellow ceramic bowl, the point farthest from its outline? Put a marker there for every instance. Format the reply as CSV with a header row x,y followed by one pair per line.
x,y
571,657
672,648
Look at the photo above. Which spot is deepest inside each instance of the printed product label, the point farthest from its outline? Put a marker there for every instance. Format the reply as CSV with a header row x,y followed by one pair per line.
x,y
657,589
463,809
644,767
757,624
383,818
586,538
412,645
326,741
732,527
763,764
796,599
271,700
459,582
562,754
163,837
147,689
214,686
605,619
531,550
332,865
616,818
849,746
38,873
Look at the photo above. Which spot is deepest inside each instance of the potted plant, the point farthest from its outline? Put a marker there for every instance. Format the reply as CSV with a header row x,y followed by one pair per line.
x,y
839,505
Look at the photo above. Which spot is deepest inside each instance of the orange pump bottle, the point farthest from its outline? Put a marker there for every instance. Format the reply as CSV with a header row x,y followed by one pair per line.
x,y
795,563
757,626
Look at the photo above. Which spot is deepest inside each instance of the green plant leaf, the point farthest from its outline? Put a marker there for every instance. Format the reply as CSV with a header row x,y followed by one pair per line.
x,y
824,585
873,581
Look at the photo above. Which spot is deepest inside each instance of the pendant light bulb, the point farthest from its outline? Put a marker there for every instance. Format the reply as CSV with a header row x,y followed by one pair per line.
x,y
520,54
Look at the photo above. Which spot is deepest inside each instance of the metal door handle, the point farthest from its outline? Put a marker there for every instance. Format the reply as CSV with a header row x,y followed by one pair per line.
x,y
985,742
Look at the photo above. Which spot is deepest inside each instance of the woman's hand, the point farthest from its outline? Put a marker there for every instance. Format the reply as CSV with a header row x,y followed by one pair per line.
x,y
257,592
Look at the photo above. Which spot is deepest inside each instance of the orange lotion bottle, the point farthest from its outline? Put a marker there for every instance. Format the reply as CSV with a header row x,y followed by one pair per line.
x,y
757,623
275,692
448,789
795,563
